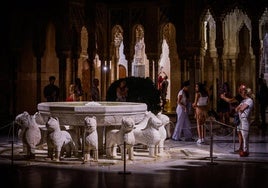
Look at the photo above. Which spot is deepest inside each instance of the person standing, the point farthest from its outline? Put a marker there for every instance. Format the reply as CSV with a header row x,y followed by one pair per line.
x,y
163,92
223,107
78,91
51,91
95,92
161,76
183,123
201,108
235,101
122,91
244,109
71,96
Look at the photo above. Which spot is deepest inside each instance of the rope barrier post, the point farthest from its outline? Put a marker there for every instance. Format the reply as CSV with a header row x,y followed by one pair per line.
x,y
234,138
124,153
211,145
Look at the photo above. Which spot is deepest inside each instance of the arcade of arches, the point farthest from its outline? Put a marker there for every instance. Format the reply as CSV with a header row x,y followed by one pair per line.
x,y
209,41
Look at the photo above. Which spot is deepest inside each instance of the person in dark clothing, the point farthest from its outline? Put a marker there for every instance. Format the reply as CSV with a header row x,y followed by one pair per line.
x,y
164,88
51,91
223,107
78,90
95,92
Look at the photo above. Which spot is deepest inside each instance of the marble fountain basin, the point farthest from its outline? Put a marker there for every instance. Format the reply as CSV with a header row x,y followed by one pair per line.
x,y
107,113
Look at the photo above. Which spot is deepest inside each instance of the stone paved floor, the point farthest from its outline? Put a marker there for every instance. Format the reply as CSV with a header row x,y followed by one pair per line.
x,y
183,164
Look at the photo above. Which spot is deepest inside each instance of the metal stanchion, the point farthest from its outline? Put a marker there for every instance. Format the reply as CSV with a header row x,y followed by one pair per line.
x,y
124,153
234,139
211,146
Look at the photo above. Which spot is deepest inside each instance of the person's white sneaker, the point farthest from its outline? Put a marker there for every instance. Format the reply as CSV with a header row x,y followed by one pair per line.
x,y
202,140
199,141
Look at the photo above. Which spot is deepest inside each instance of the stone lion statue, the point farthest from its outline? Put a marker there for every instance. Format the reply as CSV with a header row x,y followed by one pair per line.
x,y
91,138
58,140
117,137
150,135
29,132
163,131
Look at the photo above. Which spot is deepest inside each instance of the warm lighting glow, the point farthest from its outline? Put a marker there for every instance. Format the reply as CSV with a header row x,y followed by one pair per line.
x,y
105,68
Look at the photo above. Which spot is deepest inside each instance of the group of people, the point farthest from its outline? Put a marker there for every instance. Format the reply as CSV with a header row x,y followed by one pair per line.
x,y
200,106
51,91
243,103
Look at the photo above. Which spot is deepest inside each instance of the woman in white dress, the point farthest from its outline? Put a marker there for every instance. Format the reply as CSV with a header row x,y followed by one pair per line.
x,y
182,110
244,109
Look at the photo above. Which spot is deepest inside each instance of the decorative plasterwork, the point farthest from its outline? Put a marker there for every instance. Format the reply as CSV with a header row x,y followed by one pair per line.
x,y
232,24
208,30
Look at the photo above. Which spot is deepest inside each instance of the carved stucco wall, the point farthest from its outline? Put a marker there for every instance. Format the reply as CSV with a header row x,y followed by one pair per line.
x,y
169,34
263,33
238,56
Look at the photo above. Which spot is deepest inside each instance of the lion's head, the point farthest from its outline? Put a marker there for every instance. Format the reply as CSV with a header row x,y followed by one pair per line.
x,y
53,124
90,124
23,119
127,124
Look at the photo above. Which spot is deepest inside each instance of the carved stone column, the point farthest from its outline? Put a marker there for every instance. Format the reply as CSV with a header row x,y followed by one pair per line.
x,y
233,75
219,45
215,76
62,74
185,70
115,61
224,67
38,80
69,75
254,74
152,70
86,79
255,42
153,66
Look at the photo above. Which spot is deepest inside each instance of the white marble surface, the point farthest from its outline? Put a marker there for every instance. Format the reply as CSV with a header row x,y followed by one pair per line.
x,y
107,113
